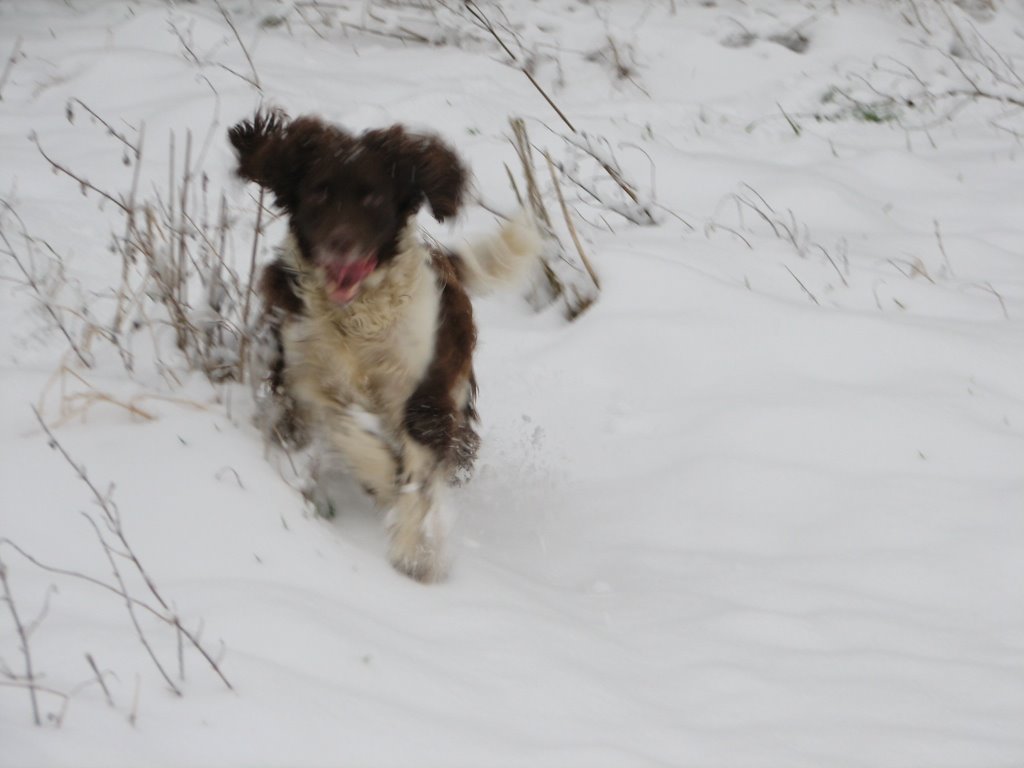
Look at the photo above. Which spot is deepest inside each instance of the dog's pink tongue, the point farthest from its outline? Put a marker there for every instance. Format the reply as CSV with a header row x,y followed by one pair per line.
x,y
346,278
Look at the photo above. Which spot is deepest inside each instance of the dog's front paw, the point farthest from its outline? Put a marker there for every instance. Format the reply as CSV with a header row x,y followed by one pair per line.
x,y
422,564
416,547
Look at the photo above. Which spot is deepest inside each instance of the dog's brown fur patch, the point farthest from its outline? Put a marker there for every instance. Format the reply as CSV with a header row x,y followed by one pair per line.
x,y
432,415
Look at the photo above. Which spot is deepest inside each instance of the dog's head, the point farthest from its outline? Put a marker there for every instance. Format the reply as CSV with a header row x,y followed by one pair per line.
x,y
348,197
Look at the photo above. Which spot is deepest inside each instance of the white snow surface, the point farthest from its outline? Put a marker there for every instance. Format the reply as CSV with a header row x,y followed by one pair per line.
x,y
715,521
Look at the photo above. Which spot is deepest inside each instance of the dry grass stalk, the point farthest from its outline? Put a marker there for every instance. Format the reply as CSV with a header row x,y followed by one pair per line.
x,y
576,301
249,289
800,283
569,223
521,142
485,23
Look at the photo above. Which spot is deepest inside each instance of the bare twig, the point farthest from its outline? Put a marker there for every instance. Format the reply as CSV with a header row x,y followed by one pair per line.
x,y
57,719
486,24
988,288
185,45
99,678
83,577
637,211
30,678
610,167
11,60
255,75
128,602
237,74
84,183
110,129
34,285
113,522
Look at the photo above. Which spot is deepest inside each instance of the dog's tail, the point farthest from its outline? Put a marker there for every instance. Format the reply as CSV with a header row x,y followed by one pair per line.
x,y
501,259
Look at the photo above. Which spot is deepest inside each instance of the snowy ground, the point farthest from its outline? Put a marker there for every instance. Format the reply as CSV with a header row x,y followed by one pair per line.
x,y
761,505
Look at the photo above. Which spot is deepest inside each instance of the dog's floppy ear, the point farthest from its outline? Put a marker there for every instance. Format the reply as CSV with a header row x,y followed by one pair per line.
x,y
274,152
423,167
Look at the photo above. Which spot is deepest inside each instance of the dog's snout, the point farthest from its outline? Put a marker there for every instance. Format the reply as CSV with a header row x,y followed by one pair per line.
x,y
340,243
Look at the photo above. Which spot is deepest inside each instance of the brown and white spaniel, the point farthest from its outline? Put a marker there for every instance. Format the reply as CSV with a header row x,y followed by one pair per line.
x,y
373,331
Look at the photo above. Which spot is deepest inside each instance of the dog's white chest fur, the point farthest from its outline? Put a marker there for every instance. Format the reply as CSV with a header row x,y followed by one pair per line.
x,y
373,352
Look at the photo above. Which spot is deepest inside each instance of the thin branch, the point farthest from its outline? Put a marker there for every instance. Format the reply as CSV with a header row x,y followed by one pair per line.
x,y
30,279
612,169
85,183
11,60
34,624
112,519
130,606
30,677
84,577
110,129
185,45
238,74
57,719
256,78
988,287
99,678
475,11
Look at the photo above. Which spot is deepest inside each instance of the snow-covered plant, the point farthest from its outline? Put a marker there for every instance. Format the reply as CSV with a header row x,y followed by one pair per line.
x,y
176,248
957,65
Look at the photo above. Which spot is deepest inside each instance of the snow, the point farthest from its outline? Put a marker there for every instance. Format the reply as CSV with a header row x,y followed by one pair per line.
x,y
761,505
